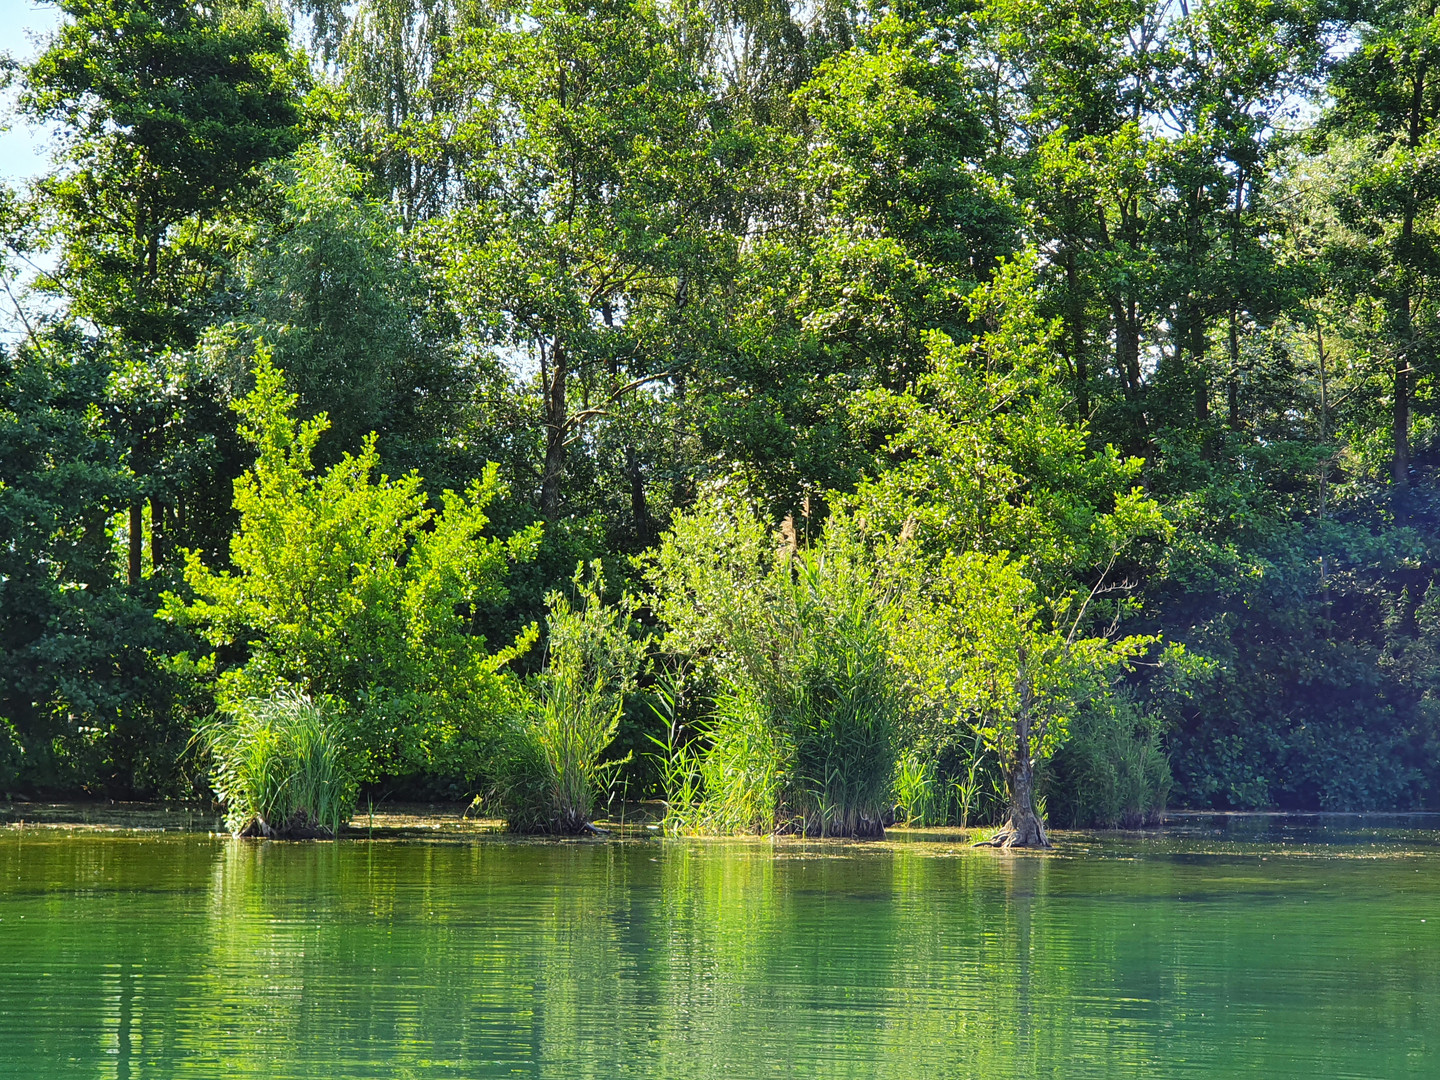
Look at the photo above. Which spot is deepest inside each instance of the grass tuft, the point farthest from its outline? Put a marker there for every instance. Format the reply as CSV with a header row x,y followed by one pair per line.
x,y
280,768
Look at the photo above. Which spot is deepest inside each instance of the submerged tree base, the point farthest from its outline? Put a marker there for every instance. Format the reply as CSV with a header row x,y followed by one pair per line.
x,y
299,826
1021,830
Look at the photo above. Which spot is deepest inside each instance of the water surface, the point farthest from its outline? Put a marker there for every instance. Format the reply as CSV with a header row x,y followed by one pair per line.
x,y
1231,947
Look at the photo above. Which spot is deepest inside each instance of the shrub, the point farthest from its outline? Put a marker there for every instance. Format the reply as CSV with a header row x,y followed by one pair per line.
x,y
280,767
354,586
551,770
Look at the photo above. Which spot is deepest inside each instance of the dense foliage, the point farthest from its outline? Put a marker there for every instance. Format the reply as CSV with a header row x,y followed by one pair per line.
x,y
986,405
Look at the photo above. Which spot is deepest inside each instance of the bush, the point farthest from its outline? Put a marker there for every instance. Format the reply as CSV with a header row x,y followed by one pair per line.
x,y
357,587
281,768
551,770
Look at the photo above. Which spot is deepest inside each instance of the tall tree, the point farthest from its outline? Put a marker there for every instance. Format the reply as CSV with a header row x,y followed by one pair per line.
x,y
587,152
167,108
1387,91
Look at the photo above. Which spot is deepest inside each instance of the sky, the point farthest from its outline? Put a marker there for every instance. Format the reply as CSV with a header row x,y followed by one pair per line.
x,y
22,151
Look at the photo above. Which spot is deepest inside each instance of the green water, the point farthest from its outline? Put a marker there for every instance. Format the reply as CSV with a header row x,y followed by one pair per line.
x,y
1274,950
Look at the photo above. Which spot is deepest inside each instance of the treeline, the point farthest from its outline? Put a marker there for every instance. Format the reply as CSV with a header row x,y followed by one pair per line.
x,y
928,394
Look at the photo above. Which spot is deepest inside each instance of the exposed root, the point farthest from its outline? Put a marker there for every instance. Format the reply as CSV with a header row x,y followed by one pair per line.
x,y
1021,831
300,826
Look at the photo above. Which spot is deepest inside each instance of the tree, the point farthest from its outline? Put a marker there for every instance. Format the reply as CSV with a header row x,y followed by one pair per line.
x,y
875,219
1027,537
586,153
82,703
1387,91
359,329
1012,666
167,107
349,585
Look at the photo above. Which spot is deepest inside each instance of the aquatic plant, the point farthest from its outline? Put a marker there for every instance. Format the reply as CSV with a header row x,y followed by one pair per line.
x,y
1112,771
803,732
280,766
919,796
551,768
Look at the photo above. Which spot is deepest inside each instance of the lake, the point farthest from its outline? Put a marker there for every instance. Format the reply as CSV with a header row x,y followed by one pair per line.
x,y
1262,947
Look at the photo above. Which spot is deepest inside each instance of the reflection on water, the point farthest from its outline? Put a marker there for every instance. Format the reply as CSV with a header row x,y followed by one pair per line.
x,y
1272,950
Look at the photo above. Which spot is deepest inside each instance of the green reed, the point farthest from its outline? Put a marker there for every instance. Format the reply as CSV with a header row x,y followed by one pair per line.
x,y
280,767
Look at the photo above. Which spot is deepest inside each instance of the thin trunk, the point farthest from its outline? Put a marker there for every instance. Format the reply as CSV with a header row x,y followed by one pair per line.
x,y
157,532
1127,346
1232,381
682,480
555,430
1198,349
146,267
1077,338
1023,827
1195,322
638,507
1324,432
1400,421
137,531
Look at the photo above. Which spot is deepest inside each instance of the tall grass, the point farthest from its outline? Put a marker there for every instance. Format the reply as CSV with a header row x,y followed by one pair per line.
x,y
802,734
839,707
963,786
280,768
552,770
920,798
1113,771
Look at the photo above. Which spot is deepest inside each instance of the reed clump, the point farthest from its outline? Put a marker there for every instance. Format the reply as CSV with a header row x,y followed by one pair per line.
x,y
1112,772
802,736
280,767
552,768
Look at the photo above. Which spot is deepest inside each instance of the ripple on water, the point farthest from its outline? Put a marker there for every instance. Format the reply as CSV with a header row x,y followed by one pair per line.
x,y
1275,954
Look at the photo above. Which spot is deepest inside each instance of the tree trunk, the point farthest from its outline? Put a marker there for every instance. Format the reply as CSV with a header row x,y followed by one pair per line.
x,y
157,533
1324,431
1075,308
1198,349
1127,346
1400,421
1232,382
1023,828
136,549
639,508
555,430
